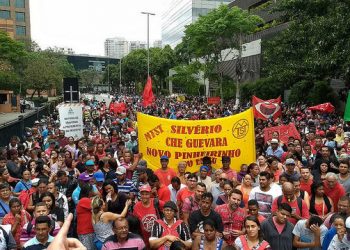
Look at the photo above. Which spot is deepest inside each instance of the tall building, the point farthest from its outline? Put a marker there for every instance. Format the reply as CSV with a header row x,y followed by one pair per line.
x,y
116,47
134,45
15,18
181,13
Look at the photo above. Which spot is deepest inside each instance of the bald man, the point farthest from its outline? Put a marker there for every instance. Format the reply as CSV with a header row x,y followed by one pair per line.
x,y
298,205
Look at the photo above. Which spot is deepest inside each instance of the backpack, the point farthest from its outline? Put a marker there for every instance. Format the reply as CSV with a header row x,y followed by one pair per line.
x,y
299,201
24,196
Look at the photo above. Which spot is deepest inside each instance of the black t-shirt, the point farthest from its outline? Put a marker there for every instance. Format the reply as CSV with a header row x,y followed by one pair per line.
x,y
196,220
118,205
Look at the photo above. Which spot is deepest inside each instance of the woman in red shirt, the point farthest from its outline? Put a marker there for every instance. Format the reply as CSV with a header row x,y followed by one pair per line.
x,y
320,204
85,229
17,217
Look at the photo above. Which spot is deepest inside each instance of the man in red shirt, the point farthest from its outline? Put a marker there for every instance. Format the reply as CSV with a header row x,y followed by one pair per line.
x,y
147,212
231,174
191,203
305,180
232,216
159,191
298,205
191,183
333,189
165,174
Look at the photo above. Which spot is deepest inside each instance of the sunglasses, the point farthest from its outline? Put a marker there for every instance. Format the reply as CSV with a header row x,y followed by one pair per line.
x,y
223,179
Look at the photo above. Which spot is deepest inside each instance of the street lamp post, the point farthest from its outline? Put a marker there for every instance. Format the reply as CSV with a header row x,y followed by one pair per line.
x,y
148,14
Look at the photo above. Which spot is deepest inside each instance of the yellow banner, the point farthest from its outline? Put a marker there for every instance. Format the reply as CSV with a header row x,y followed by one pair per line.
x,y
190,141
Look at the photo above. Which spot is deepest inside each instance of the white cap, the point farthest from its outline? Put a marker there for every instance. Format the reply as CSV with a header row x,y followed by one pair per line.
x,y
274,141
347,223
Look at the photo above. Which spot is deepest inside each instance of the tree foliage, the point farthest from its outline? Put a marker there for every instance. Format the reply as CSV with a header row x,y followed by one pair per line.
x,y
134,67
314,48
186,79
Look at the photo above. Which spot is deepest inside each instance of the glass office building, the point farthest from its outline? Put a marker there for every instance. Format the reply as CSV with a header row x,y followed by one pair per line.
x,y
181,13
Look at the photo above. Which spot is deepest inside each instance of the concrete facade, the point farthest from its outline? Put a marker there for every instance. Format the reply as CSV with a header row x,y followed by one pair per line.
x,y
15,18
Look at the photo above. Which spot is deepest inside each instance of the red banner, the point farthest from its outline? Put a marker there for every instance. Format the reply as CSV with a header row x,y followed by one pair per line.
x,y
267,109
323,108
214,100
284,131
117,107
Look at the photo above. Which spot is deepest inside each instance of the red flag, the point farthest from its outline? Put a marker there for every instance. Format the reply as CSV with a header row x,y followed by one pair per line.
x,y
284,131
323,108
147,95
267,109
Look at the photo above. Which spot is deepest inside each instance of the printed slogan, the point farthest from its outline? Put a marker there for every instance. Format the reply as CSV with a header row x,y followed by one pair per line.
x,y
190,141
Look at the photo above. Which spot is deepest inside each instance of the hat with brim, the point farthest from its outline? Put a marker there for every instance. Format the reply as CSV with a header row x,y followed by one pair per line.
x,y
145,188
170,204
84,177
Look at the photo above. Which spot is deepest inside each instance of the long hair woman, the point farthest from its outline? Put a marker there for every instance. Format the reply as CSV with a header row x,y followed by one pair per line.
x,y
56,213
223,198
209,240
253,239
85,229
115,201
320,204
102,221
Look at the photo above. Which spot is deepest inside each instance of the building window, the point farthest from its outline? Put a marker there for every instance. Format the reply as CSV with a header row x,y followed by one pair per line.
x,y
5,14
4,2
20,17
20,4
20,30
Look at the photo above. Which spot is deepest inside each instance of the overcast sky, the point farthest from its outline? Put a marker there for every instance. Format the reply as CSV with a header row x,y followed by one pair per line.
x,y
83,25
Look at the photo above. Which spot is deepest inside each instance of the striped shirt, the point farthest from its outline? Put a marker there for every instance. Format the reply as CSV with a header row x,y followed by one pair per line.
x,y
133,242
25,235
125,187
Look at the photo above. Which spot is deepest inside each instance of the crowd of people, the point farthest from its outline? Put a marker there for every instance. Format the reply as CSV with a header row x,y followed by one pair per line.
x,y
99,190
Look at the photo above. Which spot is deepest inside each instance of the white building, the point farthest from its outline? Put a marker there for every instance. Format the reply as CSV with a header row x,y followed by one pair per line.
x,y
134,45
116,47
157,44
181,13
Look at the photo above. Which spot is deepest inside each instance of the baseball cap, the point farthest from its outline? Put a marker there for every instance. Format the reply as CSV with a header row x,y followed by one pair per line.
x,y
84,177
133,133
121,170
170,204
99,176
206,168
164,157
145,188
290,161
274,141
142,163
35,181
347,223
89,163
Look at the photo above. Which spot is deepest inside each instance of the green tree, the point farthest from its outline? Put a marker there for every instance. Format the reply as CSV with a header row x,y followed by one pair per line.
x,y
12,59
221,29
88,77
313,49
186,79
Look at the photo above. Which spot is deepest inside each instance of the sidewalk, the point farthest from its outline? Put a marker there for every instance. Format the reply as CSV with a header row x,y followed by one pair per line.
x,y
8,117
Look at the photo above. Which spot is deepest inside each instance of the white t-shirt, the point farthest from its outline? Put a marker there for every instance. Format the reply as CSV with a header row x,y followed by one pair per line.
x,y
306,235
336,244
265,199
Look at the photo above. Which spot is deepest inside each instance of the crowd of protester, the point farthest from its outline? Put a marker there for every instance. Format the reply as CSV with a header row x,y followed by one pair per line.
x,y
295,196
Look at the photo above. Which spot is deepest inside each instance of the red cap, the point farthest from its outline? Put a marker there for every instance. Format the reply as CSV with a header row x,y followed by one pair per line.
x,y
145,188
